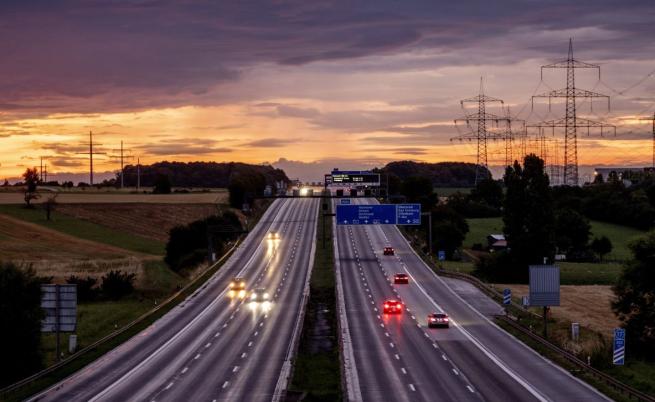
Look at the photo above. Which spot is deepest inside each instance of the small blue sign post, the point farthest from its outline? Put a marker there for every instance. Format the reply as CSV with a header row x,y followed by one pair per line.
x,y
507,296
619,347
442,255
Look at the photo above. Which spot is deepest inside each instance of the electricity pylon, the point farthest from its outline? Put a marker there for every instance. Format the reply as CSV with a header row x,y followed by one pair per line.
x,y
571,122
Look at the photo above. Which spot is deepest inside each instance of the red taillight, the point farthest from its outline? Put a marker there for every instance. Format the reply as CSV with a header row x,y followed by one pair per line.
x,y
386,305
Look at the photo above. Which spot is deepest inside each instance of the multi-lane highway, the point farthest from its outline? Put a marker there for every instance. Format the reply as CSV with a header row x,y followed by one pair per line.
x,y
398,358
213,347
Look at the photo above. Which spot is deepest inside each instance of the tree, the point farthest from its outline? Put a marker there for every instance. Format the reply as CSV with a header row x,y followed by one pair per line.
x,y
528,214
116,284
31,177
488,191
162,184
448,230
419,189
20,320
635,295
601,246
572,230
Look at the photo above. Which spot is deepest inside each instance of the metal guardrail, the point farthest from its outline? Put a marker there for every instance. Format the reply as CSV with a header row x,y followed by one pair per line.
x,y
607,379
107,338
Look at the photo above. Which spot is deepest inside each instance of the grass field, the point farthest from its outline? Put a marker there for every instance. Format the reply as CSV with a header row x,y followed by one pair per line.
x,y
448,191
85,230
620,236
219,196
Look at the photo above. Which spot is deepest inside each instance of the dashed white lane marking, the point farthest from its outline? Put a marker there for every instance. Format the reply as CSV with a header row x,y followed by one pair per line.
x,y
397,357
225,384
235,369
382,325
256,333
217,335
197,357
224,325
184,370
403,370
411,386
170,384
470,388
386,334
208,345
250,344
413,317
455,372
243,355
444,357
392,345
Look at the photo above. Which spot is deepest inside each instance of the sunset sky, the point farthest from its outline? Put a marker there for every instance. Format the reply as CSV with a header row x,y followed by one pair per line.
x,y
306,85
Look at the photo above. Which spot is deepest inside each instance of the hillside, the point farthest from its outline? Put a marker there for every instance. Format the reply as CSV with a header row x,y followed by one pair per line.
x,y
442,174
201,174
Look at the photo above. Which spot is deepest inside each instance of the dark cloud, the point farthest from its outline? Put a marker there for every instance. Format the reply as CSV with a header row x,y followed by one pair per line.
x,y
81,56
186,146
269,143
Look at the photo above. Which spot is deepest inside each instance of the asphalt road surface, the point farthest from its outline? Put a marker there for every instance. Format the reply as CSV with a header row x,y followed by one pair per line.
x,y
398,358
213,347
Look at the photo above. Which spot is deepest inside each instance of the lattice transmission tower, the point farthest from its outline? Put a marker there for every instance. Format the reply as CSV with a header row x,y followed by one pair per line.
x,y
480,130
571,122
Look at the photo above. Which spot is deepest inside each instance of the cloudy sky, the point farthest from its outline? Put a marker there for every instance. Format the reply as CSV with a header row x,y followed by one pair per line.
x,y
308,85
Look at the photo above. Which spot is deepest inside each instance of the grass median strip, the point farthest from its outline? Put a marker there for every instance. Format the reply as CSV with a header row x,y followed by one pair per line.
x,y
317,369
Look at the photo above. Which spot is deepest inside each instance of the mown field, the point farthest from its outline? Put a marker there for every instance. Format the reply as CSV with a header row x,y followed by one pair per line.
x,y
218,196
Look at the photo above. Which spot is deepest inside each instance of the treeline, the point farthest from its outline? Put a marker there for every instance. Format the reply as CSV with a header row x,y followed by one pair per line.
x,y
441,174
200,174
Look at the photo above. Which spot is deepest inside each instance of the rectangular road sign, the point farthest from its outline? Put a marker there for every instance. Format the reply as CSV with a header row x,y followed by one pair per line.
x,y
507,296
619,347
379,214
442,255
408,214
59,303
544,285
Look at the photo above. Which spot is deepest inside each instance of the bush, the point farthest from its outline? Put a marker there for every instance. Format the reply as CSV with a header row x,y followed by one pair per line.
x,y
117,284
162,184
501,267
86,288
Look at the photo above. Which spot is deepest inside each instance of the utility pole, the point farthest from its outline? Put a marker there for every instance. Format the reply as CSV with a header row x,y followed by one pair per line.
x,y
571,122
121,158
91,152
653,120
138,174
41,171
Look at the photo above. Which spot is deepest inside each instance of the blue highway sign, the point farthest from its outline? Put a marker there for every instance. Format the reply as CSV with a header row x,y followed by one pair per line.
x,y
442,255
379,214
345,201
619,346
507,296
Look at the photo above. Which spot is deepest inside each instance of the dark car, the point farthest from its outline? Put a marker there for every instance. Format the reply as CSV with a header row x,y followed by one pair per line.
x,y
436,320
401,279
392,307
388,251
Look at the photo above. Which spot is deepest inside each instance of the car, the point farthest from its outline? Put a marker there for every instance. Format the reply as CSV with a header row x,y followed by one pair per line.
x,y
388,251
259,295
237,284
401,279
237,288
392,307
436,320
273,235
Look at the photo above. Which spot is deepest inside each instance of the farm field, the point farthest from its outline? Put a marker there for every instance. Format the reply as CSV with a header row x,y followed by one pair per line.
x,y
588,305
66,197
152,221
85,230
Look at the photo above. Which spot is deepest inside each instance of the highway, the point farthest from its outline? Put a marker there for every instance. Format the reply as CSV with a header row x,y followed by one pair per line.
x,y
398,358
212,347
